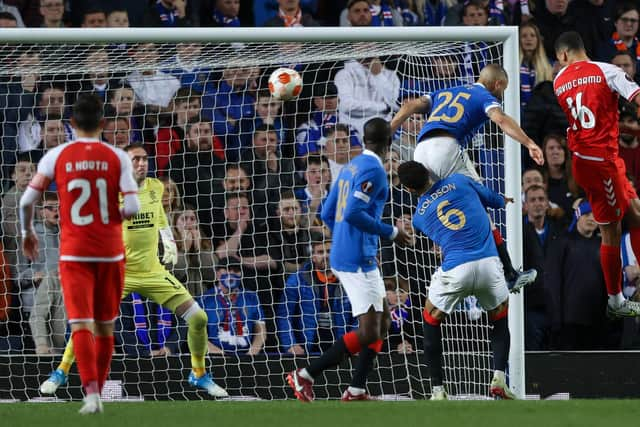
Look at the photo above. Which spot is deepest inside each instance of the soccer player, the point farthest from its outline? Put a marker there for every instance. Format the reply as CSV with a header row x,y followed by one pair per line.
x,y
145,275
455,115
353,213
588,93
90,176
451,213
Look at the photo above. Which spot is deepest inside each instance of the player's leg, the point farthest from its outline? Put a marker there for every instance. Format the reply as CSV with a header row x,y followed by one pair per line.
x,y
433,318
365,292
166,290
78,288
60,375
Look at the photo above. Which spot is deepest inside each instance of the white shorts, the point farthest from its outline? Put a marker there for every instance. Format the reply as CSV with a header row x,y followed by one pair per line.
x,y
443,156
483,278
363,289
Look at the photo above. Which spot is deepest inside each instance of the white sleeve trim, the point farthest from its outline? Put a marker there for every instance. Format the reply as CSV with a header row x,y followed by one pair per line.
x,y
360,195
394,233
617,80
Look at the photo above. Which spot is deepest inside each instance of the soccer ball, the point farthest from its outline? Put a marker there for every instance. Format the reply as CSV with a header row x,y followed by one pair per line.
x,y
285,84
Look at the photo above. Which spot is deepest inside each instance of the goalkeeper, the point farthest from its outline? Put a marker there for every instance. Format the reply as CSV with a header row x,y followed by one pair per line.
x,y
145,275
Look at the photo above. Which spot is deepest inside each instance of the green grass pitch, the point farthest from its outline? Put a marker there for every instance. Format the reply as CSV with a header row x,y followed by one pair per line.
x,y
579,413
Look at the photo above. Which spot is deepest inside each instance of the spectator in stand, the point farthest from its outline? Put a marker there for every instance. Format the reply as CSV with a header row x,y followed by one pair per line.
x,y
290,15
597,17
171,200
167,13
50,101
236,322
185,66
268,112
626,61
196,167
94,18
553,17
248,240
624,38
185,106
539,232
52,12
338,149
228,101
573,274
628,142
152,87
47,320
118,18
401,337
7,20
317,177
534,62
121,103
196,258
534,176
221,13
474,13
117,131
23,170
323,117
366,89
100,79
364,13
290,232
52,135
264,162
542,115
404,142
561,188
314,310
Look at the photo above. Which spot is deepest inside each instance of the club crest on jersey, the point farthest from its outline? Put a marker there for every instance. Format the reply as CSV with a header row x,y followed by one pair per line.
x,y
366,187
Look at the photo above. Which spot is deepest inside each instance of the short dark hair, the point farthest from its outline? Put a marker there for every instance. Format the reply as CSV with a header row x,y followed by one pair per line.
x,y
624,53
624,8
350,3
377,131
133,146
287,193
318,238
194,121
264,128
235,195
87,112
535,187
8,16
571,41
331,130
186,94
26,156
316,159
413,175
113,89
475,3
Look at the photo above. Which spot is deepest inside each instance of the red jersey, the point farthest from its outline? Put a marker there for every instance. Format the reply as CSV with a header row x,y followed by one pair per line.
x,y
89,175
588,93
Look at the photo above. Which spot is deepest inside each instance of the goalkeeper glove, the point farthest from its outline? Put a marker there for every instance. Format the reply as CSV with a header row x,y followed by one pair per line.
x,y
170,255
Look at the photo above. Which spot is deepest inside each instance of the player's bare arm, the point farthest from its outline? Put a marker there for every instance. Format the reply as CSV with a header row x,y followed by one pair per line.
x,y
31,195
511,128
410,107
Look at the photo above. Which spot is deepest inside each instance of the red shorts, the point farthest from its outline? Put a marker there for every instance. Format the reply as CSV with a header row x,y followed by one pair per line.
x,y
92,290
608,189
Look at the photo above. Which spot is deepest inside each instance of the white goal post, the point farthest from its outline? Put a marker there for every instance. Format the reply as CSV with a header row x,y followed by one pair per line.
x,y
507,37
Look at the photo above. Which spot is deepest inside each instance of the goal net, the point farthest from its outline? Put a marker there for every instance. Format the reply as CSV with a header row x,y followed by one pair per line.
x,y
244,176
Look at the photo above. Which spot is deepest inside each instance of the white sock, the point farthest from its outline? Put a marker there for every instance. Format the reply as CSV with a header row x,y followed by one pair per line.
x,y
616,300
305,374
499,375
437,389
355,391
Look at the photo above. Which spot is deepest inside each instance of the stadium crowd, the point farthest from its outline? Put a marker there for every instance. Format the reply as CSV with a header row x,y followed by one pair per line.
x,y
245,175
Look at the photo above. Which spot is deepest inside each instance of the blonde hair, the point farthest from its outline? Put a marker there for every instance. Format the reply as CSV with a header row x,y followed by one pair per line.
x,y
175,204
539,59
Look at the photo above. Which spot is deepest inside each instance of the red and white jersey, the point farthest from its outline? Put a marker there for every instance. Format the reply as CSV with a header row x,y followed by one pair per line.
x,y
89,175
588,93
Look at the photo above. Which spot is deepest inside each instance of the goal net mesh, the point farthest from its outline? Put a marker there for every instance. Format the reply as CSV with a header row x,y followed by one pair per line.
x,y
166,96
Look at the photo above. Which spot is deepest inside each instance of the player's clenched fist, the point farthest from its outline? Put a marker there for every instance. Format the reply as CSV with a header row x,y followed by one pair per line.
x,y
30,245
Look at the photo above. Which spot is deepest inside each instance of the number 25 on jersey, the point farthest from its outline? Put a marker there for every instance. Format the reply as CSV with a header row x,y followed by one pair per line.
x,y
581,113
86,191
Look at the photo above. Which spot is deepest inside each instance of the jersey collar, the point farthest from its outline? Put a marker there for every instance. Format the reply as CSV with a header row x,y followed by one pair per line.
x,y
371,153
86,139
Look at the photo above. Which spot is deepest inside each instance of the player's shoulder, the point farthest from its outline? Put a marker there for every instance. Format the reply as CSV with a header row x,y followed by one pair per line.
x,y
153,184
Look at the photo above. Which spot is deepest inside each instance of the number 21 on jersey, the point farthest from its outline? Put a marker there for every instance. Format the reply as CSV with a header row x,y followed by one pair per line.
x,y
86,191
343,194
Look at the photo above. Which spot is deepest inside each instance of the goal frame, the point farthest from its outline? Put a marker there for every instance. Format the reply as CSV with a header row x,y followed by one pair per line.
x,y
506,34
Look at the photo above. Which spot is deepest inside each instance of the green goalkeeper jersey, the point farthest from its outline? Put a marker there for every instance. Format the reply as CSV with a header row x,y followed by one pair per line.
x,y
141,232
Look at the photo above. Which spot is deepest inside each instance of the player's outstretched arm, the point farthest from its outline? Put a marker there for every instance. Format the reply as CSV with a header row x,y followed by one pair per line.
x,y
31,195
511,128
488,197
410,107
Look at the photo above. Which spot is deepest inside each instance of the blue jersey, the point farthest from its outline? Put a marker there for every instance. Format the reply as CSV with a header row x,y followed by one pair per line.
x,y
460,111
353,212
452,214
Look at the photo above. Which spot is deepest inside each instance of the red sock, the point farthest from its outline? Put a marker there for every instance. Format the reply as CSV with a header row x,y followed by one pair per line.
x,y
352,342
376,346
104,351
85,349
612,268
497,237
